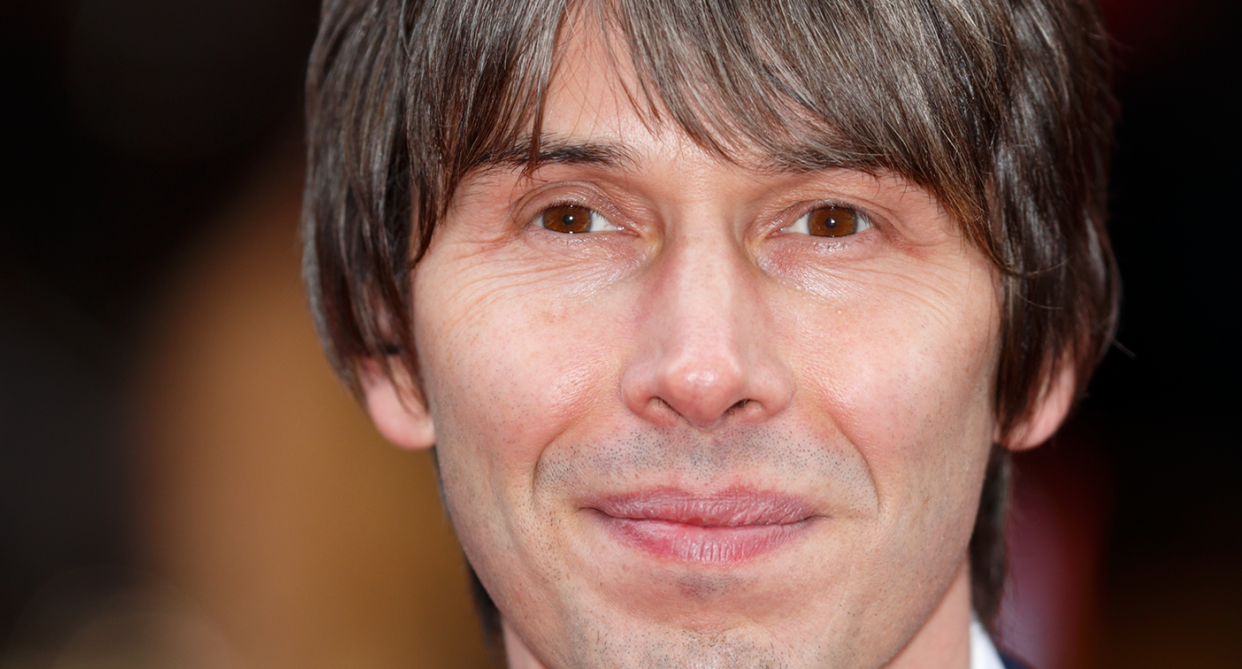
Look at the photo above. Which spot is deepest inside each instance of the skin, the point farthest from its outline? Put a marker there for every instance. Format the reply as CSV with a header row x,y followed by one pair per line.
x,y
699,343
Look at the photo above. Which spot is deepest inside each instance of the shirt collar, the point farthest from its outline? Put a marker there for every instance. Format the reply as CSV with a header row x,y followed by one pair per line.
x,y
983,653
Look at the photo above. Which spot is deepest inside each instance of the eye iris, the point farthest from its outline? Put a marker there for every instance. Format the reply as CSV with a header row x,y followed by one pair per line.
x,y
833,222
568,219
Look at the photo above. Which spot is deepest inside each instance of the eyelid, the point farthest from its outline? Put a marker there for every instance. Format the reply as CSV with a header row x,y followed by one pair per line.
x,y
540,197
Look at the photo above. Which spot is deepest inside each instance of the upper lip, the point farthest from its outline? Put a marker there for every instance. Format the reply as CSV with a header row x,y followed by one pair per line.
x,y
727,508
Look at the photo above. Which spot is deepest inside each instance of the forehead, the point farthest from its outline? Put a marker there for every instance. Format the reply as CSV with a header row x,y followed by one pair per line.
x,y
596,94
592,92
784,92
597,113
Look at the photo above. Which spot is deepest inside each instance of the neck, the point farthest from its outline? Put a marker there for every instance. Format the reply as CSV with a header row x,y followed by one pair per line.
x,y
516,652
943,642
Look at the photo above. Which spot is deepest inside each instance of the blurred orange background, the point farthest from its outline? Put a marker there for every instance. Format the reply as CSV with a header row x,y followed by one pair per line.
x,y
183,483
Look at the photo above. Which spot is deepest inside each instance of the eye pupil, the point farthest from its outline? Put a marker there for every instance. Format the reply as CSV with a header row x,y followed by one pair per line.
x,y
568,219
833,222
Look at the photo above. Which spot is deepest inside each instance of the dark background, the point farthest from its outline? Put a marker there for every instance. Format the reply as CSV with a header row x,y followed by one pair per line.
x,y
127,124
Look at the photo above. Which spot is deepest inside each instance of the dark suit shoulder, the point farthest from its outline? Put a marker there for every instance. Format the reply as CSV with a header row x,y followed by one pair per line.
x,y
1011,663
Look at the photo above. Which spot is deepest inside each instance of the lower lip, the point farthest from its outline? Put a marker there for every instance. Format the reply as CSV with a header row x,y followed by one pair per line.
x,y
705,544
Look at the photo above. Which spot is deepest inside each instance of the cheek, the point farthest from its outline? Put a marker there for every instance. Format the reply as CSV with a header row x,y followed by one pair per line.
x,y
509,363
906,379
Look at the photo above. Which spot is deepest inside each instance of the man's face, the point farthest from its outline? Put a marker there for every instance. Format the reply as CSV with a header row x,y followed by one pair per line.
x,y
702,430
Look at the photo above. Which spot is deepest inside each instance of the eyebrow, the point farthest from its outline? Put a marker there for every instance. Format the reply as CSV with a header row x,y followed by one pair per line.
x,y
555,150
558,151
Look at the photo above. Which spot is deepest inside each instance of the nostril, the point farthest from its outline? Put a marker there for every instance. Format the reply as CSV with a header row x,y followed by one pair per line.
x,y
736,408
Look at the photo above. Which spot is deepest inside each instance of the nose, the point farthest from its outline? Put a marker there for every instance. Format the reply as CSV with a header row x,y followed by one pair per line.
x,y
706,354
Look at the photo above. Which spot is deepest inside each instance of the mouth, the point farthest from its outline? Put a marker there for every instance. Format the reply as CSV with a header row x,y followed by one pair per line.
x,y
722,528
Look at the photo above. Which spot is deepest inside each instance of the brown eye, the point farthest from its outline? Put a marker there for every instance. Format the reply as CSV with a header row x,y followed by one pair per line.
x,y
835,221
572,219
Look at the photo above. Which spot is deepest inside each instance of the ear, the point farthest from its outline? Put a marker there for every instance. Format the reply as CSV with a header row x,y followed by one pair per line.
x,y
1048,413
398,413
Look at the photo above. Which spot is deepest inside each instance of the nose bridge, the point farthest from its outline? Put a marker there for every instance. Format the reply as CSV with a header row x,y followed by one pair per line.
x,y
705,297
704,355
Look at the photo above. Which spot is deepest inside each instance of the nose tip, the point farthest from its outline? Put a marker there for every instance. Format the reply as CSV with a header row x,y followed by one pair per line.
x,y
705,384
699,386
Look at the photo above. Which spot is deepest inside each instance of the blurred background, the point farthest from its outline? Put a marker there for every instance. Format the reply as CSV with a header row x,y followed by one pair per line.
x,y
183,483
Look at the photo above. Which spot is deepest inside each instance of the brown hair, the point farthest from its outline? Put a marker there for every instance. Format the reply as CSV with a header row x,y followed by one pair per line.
x,y
1002,108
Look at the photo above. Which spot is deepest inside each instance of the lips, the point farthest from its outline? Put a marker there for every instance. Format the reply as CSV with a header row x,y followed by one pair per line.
x,y
721,528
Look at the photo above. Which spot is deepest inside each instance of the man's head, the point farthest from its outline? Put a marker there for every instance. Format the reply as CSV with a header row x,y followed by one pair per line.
x,y
723,317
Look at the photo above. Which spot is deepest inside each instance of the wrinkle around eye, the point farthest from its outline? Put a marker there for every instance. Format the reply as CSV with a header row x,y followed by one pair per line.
x,y
909,280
